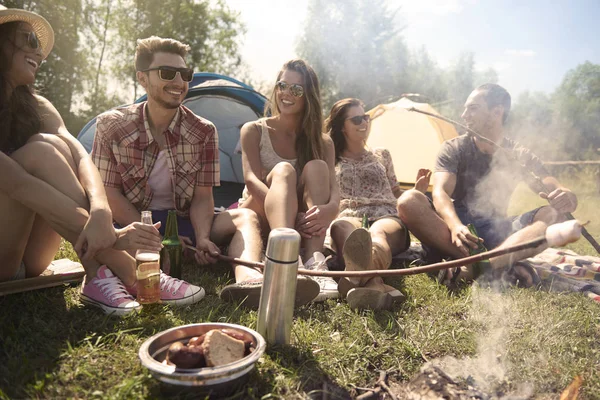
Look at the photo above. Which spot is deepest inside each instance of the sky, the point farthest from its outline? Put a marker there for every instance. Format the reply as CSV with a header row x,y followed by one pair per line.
x,y
530,43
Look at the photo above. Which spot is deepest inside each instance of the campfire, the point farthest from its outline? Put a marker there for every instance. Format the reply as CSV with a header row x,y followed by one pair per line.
x,y
432,383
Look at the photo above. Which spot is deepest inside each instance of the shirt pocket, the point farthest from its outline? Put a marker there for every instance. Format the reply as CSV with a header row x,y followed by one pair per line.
x,y
133,178
189,168
186,174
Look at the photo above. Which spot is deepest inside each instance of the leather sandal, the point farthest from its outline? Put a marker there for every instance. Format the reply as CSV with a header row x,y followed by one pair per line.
x,y
375,295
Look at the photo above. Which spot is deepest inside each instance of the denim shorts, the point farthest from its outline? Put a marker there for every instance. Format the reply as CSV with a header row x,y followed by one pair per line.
x,y
494,231
20,274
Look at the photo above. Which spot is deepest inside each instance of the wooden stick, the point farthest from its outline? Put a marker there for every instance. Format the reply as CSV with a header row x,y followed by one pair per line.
x,y
539,184
406,271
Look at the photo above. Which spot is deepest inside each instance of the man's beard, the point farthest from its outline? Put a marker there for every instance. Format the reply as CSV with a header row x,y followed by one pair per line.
x,y
166,104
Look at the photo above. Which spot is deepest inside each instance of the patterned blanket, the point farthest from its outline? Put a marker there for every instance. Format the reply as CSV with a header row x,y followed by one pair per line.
x,y
563,270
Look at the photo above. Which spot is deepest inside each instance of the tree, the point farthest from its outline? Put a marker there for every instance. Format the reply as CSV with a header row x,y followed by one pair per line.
x,y
577,104
532,122
355,48
209,27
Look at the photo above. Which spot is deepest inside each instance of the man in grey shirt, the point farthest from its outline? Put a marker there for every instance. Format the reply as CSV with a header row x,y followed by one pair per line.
x,y
473,183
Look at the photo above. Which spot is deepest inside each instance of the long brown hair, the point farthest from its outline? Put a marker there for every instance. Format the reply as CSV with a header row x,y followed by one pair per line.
x,y
334,124
309,141
18,111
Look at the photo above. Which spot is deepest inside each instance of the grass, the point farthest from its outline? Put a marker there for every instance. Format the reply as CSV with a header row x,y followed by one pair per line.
x,y
520,341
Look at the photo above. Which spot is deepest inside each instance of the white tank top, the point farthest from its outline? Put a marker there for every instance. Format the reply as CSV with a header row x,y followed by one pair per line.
x,y
160,181
268,157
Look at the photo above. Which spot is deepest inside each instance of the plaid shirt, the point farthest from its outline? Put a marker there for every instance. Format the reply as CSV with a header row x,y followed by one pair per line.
x,y
125,152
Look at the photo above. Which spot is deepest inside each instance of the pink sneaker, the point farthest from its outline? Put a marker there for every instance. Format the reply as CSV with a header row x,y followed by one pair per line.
x,y
107,292
175,291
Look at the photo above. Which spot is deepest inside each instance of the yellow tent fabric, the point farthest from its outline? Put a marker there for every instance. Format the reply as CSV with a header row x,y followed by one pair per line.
x,y
412,138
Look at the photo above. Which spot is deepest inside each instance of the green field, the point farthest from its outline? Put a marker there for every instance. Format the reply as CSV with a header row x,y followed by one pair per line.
x,y
525,342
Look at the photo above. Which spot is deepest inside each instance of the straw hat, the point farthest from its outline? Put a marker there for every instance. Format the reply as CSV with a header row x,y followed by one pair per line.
x,y
41,27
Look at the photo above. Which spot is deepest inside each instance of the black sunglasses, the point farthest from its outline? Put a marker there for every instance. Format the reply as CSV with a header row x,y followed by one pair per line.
x,y
295,89
31,40
169,73
357,120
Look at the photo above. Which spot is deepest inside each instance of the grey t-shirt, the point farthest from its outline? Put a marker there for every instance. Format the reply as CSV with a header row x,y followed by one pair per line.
x,y
485,182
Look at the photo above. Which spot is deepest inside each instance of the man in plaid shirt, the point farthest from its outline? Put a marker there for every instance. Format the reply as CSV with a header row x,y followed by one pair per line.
x,y
158,155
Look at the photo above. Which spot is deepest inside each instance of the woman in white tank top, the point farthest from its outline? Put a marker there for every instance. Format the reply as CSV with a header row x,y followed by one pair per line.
x,y
289,165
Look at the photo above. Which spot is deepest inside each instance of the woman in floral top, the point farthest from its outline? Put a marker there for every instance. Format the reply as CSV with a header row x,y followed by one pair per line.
x,y
368,186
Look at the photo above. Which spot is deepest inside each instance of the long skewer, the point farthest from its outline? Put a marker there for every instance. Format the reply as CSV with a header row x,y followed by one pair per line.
x,y
539,184
396,272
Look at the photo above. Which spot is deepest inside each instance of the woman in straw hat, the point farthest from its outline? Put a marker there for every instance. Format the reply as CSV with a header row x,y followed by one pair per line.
x,y
49,186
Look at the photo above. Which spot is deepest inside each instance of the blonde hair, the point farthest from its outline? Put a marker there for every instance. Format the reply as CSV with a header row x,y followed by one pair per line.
x,y
146,48
309,142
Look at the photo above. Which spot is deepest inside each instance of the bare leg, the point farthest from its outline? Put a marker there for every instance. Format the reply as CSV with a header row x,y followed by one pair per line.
x,y
13,241
281,202
390,235
315,186
241,229
414,209
44,158
533,231
421,219
340,230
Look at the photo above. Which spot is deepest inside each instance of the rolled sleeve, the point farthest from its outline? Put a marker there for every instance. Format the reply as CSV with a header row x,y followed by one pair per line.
x,y
209,173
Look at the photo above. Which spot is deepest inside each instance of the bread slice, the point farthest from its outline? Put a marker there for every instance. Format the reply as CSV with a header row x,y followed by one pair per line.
x,y
220,348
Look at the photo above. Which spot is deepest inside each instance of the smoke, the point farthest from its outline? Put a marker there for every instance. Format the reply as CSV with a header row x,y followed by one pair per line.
x,y
489,369
491,196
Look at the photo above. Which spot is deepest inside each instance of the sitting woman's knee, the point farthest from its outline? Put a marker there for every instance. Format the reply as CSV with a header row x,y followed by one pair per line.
x,y
316,167
284,169
59,144
246,217
34,155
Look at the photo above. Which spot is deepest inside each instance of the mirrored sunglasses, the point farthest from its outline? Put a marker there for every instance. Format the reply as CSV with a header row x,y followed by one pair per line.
x,y
169,73
31,39
357,120
295,89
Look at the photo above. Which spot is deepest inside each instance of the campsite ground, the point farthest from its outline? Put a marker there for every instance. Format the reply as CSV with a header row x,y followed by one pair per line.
x,y
521,341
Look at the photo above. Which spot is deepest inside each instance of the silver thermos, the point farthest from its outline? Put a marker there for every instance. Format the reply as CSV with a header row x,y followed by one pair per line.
x,y
276,307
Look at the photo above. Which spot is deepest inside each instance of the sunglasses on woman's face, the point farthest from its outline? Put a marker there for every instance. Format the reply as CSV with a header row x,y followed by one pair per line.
x,y
30,40
295,89
357,120
169,73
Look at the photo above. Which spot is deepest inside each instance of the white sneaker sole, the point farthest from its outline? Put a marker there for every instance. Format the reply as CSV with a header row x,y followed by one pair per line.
x,y
194,298
116,311
322,296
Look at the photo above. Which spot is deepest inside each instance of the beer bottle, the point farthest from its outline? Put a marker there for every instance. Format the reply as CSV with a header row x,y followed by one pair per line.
x,y
172,252
147,270
480,266
365,222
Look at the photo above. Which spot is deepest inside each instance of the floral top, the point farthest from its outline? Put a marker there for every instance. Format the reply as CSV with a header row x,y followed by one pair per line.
x,y
366,185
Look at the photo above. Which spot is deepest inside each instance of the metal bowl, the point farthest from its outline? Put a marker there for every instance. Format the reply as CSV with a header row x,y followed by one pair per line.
x,y
209,380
